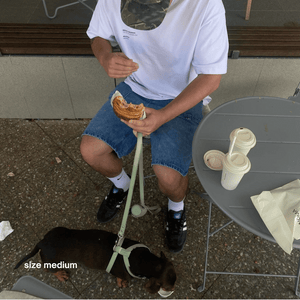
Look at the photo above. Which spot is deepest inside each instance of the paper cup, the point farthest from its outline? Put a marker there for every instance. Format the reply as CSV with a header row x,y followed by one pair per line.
x,y
245,140
235,166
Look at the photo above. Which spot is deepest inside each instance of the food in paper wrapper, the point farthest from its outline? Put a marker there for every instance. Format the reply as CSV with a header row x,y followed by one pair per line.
x,y
280,211
126,111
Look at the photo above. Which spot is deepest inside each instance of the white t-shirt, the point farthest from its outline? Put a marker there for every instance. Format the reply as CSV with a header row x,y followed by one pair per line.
x,y
191,40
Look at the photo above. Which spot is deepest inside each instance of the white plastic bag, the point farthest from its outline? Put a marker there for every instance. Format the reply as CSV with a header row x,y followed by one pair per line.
x,y
280,211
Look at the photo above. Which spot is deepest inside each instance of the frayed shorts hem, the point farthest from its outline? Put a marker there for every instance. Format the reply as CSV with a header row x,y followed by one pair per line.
x,y
105,141
180,171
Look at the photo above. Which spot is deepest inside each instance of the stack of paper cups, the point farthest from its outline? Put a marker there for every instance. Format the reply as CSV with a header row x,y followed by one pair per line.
x,y
245,140
235,166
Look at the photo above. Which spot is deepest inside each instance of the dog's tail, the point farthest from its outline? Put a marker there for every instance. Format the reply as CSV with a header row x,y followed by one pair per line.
x,y
31,254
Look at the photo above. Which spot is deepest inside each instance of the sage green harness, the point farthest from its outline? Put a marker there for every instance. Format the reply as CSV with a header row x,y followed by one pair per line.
x,y
125,253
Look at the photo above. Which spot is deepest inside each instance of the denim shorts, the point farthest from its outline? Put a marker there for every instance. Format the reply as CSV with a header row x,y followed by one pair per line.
x,y
171,144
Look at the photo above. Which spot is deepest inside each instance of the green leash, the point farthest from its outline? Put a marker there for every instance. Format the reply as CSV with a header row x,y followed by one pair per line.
x,y
117,248
137,210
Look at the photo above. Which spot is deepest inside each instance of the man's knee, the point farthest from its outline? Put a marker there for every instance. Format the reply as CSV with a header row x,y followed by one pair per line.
x,y
168,177
92,147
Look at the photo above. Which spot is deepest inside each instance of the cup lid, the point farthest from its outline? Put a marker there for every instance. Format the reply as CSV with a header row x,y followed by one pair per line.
x,y
165,294
214,160
245,137
237,162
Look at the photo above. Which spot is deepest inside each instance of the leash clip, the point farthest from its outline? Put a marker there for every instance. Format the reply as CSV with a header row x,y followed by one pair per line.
x,y
119,242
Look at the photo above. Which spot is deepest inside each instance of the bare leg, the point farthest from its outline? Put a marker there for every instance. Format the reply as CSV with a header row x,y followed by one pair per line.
x,y
175,187
100,156
103,159
171,183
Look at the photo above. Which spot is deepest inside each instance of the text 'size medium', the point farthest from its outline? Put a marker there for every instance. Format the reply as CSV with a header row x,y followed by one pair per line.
x,y
60,265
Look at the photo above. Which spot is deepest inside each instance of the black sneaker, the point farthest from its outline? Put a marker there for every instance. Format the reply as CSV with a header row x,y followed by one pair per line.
x,y
111,204
176,230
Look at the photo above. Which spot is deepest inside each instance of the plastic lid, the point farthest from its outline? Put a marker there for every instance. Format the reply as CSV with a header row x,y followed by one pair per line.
x,y
245,138
165,294
214,160
237,163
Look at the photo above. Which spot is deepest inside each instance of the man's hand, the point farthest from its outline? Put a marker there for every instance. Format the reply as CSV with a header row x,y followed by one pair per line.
x,y
197,90
118,65
154,119
115,64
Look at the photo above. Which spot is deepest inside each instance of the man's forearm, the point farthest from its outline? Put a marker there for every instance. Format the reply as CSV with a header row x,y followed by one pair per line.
x,y
194,93
100,48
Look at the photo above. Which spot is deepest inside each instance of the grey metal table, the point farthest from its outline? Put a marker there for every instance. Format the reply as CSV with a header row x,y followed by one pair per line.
x,y
275,160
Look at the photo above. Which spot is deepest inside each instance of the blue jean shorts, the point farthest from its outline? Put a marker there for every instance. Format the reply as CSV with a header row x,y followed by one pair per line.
x,y
171,144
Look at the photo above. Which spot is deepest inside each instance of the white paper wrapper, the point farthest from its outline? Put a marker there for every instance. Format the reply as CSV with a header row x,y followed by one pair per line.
x,y
280,211
116,94
5,230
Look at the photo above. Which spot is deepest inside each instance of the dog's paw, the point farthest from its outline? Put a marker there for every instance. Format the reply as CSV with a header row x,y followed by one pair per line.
x,y
62,275
122,283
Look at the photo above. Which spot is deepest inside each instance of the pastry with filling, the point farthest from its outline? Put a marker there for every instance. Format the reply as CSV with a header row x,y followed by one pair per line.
x,y
126,111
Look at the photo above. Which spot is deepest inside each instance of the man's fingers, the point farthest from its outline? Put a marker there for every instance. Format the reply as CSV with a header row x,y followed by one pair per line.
x,y
129,65
117,73
118,65
123,60
136,133
138,123
123,69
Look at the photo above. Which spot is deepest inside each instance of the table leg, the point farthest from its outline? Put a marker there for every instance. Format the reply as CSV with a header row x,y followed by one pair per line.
x,y
209,234
202,287
297,293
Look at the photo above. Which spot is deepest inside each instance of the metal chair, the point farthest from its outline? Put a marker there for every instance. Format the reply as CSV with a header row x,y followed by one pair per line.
x,y
62,6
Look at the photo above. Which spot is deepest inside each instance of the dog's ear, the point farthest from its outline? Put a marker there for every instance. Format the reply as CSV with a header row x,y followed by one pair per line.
x,y
152,286
162,255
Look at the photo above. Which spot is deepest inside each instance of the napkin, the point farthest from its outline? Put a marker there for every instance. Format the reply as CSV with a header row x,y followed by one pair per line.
x,y
5,230
280,211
